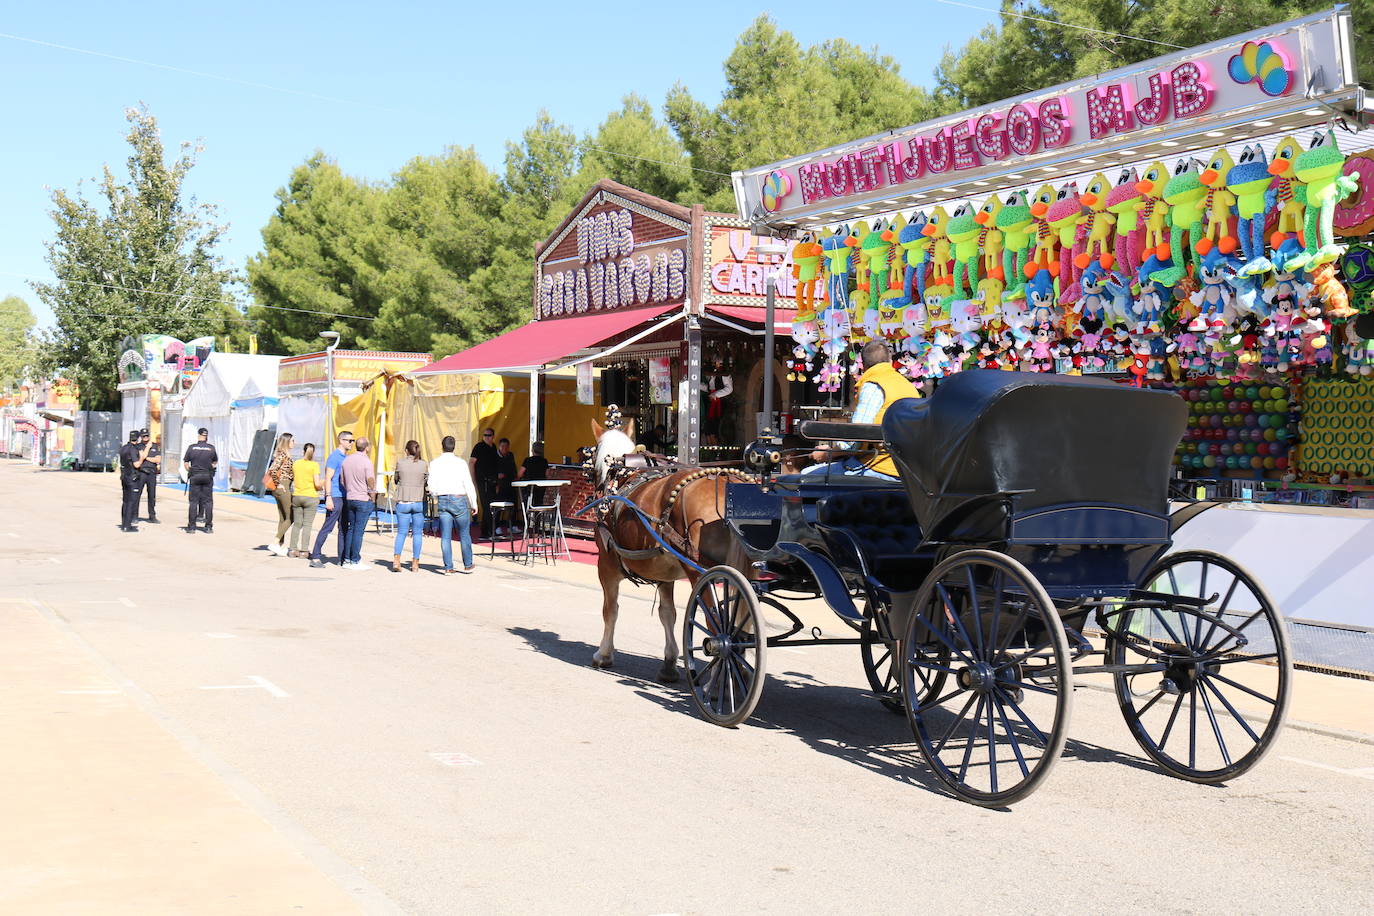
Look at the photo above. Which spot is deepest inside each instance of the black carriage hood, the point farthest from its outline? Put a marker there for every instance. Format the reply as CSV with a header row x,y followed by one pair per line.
x,y
1069,439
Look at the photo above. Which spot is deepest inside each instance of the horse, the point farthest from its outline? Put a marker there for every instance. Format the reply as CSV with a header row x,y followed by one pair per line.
x,y
686,506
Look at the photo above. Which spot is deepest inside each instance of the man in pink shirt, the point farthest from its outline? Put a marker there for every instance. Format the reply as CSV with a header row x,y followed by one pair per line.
x,y
359,486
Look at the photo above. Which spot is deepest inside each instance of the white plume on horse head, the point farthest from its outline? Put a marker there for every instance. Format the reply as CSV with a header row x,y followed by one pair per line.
x,y
610,445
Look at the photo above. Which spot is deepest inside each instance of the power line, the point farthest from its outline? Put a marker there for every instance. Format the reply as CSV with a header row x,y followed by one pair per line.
x,y
1067,25
155,292
327,98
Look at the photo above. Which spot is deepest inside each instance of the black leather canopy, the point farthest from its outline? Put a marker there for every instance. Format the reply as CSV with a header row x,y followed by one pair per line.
x,y
1067,439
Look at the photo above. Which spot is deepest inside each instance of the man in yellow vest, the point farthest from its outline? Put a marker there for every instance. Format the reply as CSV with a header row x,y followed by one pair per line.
x,y
880,387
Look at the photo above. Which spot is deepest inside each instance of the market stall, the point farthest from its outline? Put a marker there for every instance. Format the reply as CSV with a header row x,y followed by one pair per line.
x,y
227,378
305,383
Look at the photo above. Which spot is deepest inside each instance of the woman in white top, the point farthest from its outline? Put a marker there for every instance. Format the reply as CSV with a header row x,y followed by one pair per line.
x,y
450,482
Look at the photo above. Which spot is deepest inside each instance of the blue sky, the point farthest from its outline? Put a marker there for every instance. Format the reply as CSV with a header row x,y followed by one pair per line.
x,y
372,85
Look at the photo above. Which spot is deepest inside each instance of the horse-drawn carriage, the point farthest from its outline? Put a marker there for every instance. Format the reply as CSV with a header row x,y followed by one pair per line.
x,y
1026,546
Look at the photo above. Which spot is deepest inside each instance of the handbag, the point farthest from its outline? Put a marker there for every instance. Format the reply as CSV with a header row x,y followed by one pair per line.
x,y
268,484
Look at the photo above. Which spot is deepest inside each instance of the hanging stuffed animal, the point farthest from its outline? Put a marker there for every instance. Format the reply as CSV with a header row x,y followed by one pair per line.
x,y
1321,169
806,269
834,339
915,245
1153,213
993,282
1331,292
1249,180
1185,195
1154,298
1290,198
1123,202
963,232
1217,205
1358,352
806,335
1214,299
835,249
1046,239
1040,299
1014,221
1121,303
1095,225
1092,304
1063,219
935,230
875,249
1042,349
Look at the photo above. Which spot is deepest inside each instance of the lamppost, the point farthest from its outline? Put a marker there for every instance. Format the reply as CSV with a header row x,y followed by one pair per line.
x,y
333,338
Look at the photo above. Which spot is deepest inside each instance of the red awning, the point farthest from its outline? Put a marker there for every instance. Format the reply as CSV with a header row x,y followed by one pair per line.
x,y
542,342
782,318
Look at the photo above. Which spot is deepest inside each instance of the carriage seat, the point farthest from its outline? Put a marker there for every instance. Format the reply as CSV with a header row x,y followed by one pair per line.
x,y
882,524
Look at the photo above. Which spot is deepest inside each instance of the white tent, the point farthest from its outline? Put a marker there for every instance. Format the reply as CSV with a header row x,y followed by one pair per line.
x,y
234,397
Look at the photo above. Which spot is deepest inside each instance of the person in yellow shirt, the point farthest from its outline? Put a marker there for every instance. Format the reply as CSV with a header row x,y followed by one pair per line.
x,y
880,387
305,500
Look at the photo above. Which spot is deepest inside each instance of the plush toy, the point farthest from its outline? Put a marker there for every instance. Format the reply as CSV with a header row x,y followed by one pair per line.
x,y
1123,202
874,248
915,245
913,328
1063,219
1153,299
1185,195
1248,296
1320,168
1092,304
935,230
806,335
1290,198
1214,298
1249,180
1121,302
1042,349
1046,239
993,281
1095,225
1358,352
806,268
1014,221
1040,299
1331,292
963,232
835,249
896,260
1217,205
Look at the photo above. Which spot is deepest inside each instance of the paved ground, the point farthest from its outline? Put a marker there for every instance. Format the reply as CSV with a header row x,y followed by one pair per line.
x,y
192,724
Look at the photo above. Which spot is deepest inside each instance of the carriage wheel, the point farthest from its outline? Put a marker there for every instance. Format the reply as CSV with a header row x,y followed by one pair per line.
x,y
880,652
994,732
723,645
1212,720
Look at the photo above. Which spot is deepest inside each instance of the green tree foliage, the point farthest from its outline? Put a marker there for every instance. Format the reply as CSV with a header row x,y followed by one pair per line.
x,y
17,351
782,100
142,262
1066,40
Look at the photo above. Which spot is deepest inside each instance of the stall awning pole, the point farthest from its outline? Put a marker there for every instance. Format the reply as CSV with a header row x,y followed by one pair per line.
x,y
534,409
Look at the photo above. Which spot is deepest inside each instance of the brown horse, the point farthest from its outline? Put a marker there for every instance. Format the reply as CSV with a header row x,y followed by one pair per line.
x,y
692,523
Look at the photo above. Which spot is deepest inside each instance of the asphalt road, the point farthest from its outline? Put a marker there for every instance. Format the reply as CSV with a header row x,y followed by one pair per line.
x,y
441,745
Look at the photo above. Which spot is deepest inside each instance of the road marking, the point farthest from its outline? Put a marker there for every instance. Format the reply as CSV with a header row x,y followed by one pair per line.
x,y
455,759
124,601
1360,772
11,534
222,635
55,561
93,690
259,683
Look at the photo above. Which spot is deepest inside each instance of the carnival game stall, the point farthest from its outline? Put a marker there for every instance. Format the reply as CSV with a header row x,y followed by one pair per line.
x,y
229,384
1197,223
306,382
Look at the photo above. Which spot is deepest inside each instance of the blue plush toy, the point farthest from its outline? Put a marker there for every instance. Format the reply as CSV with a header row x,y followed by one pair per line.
x,y
1252,184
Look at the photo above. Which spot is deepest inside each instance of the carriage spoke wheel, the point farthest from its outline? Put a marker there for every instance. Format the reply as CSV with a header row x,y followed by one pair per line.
x,y
723,645
994,729
879,650
1216,709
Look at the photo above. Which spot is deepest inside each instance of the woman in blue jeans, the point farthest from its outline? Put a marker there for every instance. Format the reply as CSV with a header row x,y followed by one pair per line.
x,y
411,473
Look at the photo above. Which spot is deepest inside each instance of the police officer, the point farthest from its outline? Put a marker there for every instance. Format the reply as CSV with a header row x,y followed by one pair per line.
x,y
152,466
200,461
131,478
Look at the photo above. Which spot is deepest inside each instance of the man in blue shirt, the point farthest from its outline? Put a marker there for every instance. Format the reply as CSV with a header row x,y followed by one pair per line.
x,y
334,504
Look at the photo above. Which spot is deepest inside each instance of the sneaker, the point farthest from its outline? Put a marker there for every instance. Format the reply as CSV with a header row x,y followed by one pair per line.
x,y
208,529
152,521
189,529
317,562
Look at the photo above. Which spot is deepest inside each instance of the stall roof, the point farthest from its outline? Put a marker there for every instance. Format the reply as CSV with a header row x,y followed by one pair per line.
x,y
1316,52
782,317
223,379
539,343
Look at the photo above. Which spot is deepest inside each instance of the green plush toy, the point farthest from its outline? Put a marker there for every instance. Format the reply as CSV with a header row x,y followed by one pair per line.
x,y
1015,222
1186,196
963,231
1321,170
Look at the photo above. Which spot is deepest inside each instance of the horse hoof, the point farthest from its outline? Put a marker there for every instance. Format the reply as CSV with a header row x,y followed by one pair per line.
x,y
668,676
600,663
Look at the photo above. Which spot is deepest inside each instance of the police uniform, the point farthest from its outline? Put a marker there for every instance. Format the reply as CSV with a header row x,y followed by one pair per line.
x,y
150,475
200,484
131,481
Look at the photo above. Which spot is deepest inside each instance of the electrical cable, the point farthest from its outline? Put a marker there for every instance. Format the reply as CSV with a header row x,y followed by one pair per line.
x,y
1067,25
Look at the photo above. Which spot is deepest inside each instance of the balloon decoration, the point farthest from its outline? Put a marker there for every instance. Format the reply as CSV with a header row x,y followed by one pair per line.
x,y
1224,268
1237,427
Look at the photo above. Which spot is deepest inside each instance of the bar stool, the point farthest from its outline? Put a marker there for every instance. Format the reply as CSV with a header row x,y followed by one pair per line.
x,y
502,509
544,536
